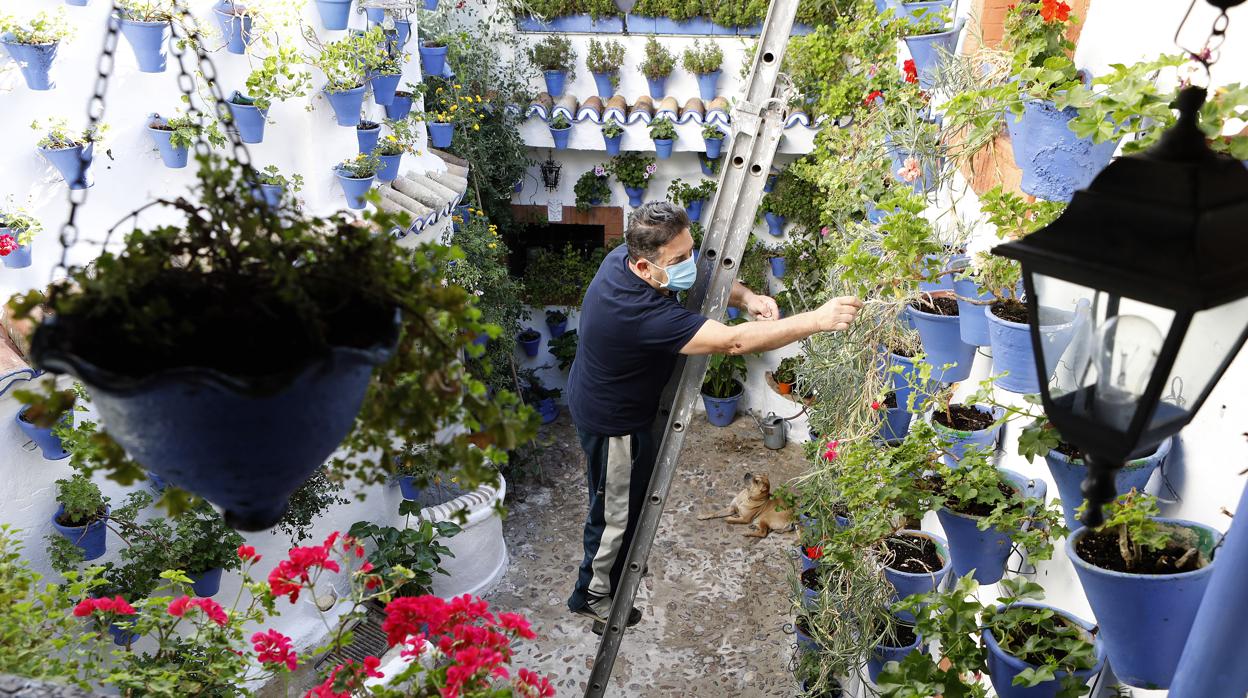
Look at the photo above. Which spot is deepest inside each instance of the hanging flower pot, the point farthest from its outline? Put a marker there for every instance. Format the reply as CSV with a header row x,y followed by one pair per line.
x,y
49,444
561,135
778,266
441,134
974,426
812,584
272,194
1013,359
249,118
384,87
354,188
894,419
708,85
400,106
35,61
555,81
124,636
904,641
389,170
366,135
346,104
205,584
733,312
77,3
721,411
915,12
236,26
663,148
972,322
707,165
433,58
984,552
937,324
530,341
903,374
1054,161
658,87
91,537
805,641
694,209
930,51
919,563
920,171
334,13
13,255
1069,474
1145,616
634,195
408,487
548,410
403,32
775,223
714,146
431,5
557,323
604,83
807,562
74,164
1003,666
174,156
148,39
612,142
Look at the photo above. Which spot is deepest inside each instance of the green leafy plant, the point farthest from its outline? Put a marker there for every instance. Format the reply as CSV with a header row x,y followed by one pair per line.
x,y
549,9
662,129
684,194
604,57
1131,520
416,550
593,185
703,59
1128,101
712,132
633,169
57,135
659,62
559,122
786,372
272,175
401,139
278,77
187,128
360,166
146,10
21,224
563,348
347,61
612,128
203,542
554,52
1224,104
863,39
82,500
559,277
42,29
533,389
723,375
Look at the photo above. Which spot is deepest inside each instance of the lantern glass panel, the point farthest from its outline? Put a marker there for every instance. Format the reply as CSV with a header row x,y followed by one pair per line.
x,y
1212,340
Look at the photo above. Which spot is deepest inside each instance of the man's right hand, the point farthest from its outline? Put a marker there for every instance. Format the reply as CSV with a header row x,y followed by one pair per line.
x,y
837,314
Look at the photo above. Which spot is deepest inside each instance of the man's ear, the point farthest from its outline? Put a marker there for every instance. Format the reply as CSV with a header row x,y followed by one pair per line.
x,y
748,478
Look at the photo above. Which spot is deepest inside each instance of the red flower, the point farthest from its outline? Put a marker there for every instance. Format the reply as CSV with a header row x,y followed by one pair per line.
x,y
1054,11
814,552
370,668
532,685
346,678
830,452
211,608
517,624
290,575
8,245
875,404
912,71
273,647
115,605
870,100
247,552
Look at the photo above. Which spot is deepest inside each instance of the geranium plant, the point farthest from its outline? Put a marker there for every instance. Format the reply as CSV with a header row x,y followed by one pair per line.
x,y
662,129
45,27
593,185
21,226
612,128
659,62
633,169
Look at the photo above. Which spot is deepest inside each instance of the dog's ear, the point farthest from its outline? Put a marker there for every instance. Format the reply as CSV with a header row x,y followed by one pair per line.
x,y
749,477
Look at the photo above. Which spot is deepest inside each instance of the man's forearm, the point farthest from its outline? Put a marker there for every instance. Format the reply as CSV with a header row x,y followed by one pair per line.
x,y
753,337
737,297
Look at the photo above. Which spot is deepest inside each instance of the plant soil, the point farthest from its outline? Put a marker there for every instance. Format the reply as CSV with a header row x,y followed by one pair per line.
x,y
914,554
72,523
965,418
160,126
1071,451
1101,549
890,400
900,351
1011,311
1042,632
901,635
981,509
811,579
839,509
938,305
367,126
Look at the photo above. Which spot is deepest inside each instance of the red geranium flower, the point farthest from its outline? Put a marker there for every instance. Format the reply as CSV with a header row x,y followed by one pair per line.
x,y
8,245
1054,11
115,605
273,647
814,552
911,70
211,608
288,578
247,552
830,452
875,94
530,684
875,404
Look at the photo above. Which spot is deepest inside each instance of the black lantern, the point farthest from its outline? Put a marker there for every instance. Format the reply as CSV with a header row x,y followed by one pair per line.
x,y
550,173
1151,262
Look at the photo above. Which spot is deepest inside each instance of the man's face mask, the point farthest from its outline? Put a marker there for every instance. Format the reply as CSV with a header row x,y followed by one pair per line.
x,y
680,276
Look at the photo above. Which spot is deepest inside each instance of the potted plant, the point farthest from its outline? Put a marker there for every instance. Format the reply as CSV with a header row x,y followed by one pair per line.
x,y
433,52
935,316
633,170
657,66
931,41
446,109
417,551
663,132
367,133
722,388
592,188
277,78
17,234
205,547
346,63
390,149
334,13
402,104
713,136
778,265
530,341
386,71
174,136
704,61
560,130
556,58
963,426
48,439
690,197
1144,577
540,397
612,135
556,322
604,58
356,175
897,640
146,25
775,221
785,374
236,21
33,45
82,515
563,348
70,153
274,186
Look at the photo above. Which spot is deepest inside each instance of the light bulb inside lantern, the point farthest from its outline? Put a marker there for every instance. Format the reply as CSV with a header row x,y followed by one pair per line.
x,y
1127,347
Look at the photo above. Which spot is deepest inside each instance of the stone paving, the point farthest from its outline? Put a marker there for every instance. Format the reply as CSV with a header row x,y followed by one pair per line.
x,y
716,604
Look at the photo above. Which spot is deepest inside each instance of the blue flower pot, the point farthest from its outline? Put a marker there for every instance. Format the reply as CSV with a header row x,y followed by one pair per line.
x,y
1003,667
366,138
334,13
403,29
770,184
1069,476
354,188
613,143
431,5
374,15
77,3
805,643
384,87
548,409
206,584
249,120
694,209
121,637
663,148
19,258
272,194
1145,619
707,166
433,59
634,195
441,134
883,654
721,411
149,40
561,136
1054,161
557,329
909,583
658,87
74,164
875,214
35,61
605,84
708,85
156,483
530,346
346,105
399,107
92,538
806,562
1013,360
895,423
778,266
173,157
237,31
733,312
389,169
956,441
47,442
775,223
902,379
984,552
714,147
929,168
930,51
555,81
944,280
949,356
973,324
209,433
408,487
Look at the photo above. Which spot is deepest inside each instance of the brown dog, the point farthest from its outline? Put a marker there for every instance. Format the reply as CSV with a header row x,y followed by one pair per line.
x,y
754,505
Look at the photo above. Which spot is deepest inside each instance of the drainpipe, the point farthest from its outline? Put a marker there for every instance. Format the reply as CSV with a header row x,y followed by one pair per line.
x,y
1213,663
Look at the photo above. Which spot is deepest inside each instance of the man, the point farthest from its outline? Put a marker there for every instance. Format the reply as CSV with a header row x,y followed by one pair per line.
x,y
631,329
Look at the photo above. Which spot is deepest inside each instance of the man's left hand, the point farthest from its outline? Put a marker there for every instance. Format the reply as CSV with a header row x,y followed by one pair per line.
x,y
761,307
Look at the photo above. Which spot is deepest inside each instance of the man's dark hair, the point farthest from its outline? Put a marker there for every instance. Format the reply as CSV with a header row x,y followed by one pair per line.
x,y
653,226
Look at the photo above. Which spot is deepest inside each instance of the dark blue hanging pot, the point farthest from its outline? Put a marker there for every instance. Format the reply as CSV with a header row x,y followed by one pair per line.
x,y
902,380
366,138
49,444
949,356
1145,618
605,84
174,157
555,81
883,654
19,258
909,583
894,423
694,209
775,223
530,346
249,119
984,552
663,147
1003,667
433,59
612,143
548,410
243,444
441,134
708,85
35,61
389,170
399,107
354,188
657,86
237,30
634,195
148,39
1069,476
334,13
714,147
74,164
778,266
92,538
346,105
1013,357
956,441
1055,163
560,137
206,584
930,51
408,487
384,87
557,328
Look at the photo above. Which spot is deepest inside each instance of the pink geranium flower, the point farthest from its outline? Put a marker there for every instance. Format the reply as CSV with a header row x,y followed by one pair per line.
x,y
910,170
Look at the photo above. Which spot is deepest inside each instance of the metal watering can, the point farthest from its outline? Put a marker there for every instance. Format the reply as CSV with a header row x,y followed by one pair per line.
x,y
775,429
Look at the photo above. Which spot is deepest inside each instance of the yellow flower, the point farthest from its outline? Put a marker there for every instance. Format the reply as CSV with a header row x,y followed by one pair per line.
x,y
492,245
476,127
457,86
478,99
